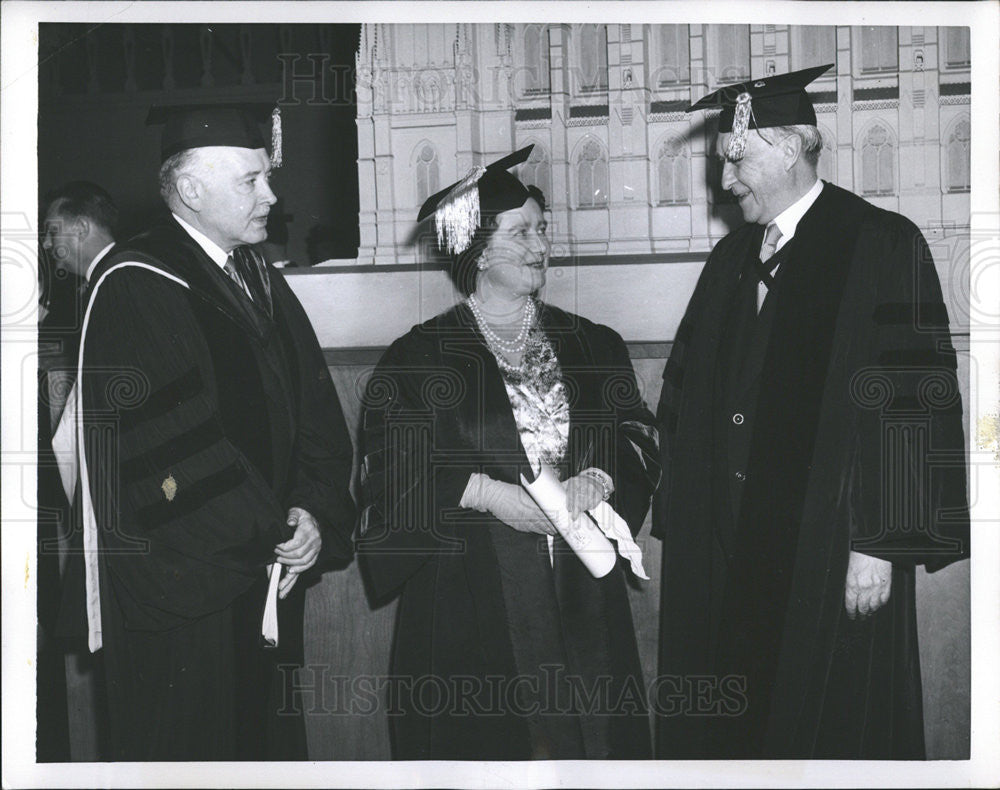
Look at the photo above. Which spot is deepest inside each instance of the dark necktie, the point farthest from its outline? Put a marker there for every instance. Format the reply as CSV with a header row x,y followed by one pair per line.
x,y
771,237
252,270
767,263
230,269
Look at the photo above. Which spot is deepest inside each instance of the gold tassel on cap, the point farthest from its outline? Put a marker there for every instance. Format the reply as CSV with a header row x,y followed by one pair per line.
x,y
276,137
741,123
457,215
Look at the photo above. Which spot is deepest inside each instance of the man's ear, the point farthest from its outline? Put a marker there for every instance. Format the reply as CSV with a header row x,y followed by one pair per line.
x,y
80,228
791,150
189,190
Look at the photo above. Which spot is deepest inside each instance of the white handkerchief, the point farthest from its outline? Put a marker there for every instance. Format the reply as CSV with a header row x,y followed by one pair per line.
x,y
614,526
269,626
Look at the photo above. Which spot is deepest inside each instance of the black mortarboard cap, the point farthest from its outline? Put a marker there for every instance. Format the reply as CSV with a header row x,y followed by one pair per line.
x,y
200,125
485,191
780,100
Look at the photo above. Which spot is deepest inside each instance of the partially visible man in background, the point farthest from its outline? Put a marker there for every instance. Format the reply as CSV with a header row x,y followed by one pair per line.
x,y
79,228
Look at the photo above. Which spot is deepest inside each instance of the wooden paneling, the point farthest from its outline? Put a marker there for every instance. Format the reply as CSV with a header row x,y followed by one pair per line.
x,y
347,641
347,648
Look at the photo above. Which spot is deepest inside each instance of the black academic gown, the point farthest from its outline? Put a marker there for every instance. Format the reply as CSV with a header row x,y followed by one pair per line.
x,y
207,418
498,654
849,437
58,338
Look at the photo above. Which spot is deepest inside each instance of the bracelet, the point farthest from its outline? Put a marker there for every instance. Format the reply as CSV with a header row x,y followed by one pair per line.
x,y
602,478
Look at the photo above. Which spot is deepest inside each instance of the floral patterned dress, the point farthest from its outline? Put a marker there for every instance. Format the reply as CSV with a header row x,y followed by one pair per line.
x,y
539,402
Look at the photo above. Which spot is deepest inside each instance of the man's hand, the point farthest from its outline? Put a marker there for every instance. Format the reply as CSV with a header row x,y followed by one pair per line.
x,y
299,553
868,583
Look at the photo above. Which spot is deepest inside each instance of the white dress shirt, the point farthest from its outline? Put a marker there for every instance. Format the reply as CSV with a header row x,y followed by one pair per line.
x,y
212,250
787,221
216,253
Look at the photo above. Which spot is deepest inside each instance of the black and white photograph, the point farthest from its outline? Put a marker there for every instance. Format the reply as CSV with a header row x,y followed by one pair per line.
x,y
476,394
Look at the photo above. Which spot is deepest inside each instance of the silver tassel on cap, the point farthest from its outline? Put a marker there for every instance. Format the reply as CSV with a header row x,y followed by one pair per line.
x,y
457,215
276,137
741,123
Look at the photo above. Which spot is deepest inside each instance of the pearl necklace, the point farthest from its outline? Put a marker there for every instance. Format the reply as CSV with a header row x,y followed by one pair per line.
x,y
493,340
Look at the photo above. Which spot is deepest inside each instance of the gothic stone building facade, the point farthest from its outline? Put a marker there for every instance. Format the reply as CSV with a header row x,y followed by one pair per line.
x,y
628,174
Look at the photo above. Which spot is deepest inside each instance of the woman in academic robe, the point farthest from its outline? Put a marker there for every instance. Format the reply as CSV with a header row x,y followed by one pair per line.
x,y
506,646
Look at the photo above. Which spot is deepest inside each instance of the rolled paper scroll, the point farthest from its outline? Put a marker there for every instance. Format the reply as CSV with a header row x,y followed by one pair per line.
x,y
269,625
583,535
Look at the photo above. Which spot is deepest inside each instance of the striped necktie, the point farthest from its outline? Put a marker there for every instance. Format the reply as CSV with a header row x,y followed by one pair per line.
x,y
771,238
772,235
230,270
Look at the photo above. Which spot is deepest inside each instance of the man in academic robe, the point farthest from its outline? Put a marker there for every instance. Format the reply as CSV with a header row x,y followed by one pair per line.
x,y
79,228
215,446
813,456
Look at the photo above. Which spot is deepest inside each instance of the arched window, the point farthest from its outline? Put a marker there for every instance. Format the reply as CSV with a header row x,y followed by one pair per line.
x,y
674,55
879,48
427,172
878,162
593,55
958,157
591,175
536,171
673,171
729,52
536,59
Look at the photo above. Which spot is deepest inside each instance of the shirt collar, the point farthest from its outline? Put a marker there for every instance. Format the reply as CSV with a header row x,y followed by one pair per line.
x,y
97,260
212,250
788,219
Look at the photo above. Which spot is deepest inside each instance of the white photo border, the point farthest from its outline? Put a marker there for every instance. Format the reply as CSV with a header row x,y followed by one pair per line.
x,y
19,200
